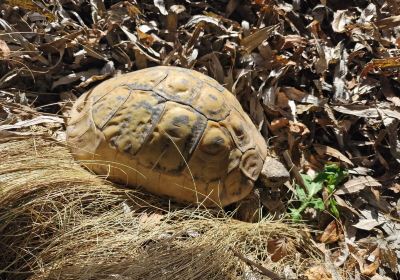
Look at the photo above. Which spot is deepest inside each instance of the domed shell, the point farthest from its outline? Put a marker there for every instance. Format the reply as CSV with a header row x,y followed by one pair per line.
x,y
173,131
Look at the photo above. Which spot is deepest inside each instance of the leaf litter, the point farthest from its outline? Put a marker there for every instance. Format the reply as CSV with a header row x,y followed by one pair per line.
x,y
320,79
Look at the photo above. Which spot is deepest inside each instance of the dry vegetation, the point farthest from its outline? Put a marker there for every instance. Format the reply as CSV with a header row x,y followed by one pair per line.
x,y
319,78
61,222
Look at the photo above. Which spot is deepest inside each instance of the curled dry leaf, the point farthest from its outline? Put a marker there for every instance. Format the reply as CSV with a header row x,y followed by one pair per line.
x,y
331,233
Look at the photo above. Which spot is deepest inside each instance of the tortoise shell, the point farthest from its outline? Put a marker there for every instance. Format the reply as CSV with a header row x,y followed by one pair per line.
x,y
173,131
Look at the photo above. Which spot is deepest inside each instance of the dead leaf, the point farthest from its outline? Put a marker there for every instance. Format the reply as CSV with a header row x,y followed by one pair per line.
x,y
4,50
252,41
161,6
33,7
370,269
368,224
71,78
326,150
375,199
341,19
278,248
370,220
231,7
342,203
331,233
318,272
298,128
388,22
357,184
278,124
358,110
389,93
31,122
392,63
195,20
300,96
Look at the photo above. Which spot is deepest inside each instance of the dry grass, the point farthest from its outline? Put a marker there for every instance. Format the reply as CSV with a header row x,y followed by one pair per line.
x,y
58,221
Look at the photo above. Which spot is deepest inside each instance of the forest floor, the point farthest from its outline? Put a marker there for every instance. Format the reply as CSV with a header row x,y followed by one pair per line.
x,y
321,81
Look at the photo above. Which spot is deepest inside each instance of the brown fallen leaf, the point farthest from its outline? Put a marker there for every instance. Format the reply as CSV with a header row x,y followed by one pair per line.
x,y
370,269
252,41
357,184
375,199
388,22
331,233
278,124
326,150
381,64
342,203
357,110
368,260
388,92
282,100
298,128
368,224
389,259
278,248
370,219
300,96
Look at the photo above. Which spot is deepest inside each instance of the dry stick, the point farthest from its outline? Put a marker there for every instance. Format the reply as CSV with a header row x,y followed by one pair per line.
x,y
262,269
294,169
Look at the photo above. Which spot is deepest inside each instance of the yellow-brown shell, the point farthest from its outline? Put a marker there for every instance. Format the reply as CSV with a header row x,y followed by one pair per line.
x,y
173,131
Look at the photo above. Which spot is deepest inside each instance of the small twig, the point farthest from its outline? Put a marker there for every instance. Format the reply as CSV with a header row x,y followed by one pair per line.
x,y
262,269
294,169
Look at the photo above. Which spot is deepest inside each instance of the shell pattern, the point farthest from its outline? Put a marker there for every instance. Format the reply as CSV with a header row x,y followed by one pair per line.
x,y
173,131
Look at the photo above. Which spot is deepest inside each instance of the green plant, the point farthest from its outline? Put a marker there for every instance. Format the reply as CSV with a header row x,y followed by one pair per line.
x,y
329,178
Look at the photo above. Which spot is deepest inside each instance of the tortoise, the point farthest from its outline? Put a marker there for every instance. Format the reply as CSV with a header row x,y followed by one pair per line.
x,y
176,133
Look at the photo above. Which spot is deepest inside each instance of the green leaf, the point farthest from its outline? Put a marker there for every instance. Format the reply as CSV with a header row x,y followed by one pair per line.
x,y
333,207
332,175
330,178
314,188
301,194
295,214
331,188
318,203
306,179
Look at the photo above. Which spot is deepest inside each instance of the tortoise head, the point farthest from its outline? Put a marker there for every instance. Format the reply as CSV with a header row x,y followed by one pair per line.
x,y
273,173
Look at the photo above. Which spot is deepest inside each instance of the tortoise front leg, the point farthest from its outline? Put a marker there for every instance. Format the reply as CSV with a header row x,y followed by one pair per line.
x,y
249,208
273,175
